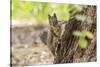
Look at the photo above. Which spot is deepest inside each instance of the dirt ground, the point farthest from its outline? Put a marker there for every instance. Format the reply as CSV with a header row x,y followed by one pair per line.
x,y
27,48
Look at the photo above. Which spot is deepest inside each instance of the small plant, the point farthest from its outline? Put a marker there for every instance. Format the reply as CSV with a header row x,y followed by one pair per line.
x,y
83,43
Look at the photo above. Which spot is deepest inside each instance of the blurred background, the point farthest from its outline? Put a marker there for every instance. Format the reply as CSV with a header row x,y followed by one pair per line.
x,y
29,24
38,11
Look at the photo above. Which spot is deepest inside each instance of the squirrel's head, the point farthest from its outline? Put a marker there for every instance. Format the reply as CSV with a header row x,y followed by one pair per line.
x,y
53,20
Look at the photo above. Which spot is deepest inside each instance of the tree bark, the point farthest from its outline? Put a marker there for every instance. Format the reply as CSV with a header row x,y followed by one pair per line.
x,y
68,49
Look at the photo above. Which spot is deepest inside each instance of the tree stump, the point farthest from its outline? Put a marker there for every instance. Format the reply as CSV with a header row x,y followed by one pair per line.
x,y
66,48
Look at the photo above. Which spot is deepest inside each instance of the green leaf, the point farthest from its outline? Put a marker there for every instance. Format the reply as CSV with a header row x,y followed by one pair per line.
x,y
77,33
89,35
83,43
84,33
81,17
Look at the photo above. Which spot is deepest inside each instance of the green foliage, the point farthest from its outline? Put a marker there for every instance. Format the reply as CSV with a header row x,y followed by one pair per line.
x,y
83,34
40,10
82,41
89,34
78,33
81,17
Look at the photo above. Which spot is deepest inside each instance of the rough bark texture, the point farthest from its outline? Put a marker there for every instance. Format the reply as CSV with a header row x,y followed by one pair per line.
x,y
67,49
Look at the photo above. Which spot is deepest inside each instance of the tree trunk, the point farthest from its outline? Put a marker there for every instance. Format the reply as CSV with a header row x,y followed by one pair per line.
x,y
68,49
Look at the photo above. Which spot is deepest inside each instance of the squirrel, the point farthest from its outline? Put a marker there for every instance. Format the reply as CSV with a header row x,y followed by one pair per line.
x,y
54,33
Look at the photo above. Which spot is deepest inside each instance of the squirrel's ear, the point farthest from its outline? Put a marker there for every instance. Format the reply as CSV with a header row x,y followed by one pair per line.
x,y
49,16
